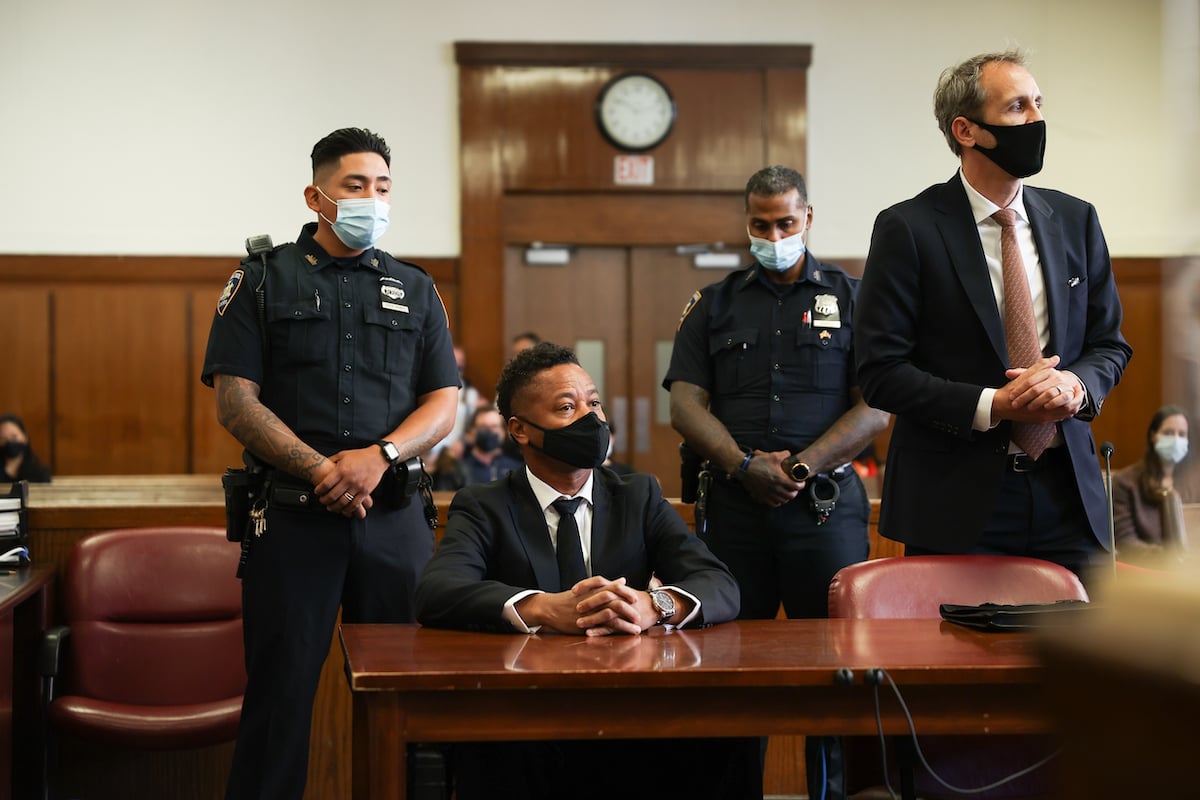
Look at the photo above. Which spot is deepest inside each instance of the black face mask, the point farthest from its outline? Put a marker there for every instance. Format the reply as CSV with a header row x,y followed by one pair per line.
x,y
582,444
13,449
1019,149
486,440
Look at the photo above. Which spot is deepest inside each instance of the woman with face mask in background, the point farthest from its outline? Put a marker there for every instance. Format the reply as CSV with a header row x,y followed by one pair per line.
x,y
1148,496
20,463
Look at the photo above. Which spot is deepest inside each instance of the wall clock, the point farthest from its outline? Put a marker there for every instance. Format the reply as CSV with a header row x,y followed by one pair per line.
x,y
635,111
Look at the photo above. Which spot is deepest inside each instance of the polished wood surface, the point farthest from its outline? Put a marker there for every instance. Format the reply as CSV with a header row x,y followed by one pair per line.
x,y
25,609
743,678
71,507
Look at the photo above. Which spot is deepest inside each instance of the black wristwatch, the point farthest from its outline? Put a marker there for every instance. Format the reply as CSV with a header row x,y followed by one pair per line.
x,y
664,604
390,451
799,471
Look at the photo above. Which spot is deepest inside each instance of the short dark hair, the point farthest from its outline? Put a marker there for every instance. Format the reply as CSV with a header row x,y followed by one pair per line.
x,y
15,420
530,335
774,181
345,141
479,412
524,367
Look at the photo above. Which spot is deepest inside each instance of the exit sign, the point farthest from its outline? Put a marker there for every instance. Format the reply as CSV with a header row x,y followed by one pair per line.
x,y
633,170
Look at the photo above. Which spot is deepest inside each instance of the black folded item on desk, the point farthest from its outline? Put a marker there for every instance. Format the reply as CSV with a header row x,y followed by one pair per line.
x,y
998,617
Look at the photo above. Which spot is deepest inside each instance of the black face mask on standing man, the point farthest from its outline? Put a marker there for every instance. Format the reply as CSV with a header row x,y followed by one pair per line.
x,y
583,443
1019,149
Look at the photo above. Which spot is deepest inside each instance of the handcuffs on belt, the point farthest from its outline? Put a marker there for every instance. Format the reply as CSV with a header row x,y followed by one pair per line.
x,y
801,472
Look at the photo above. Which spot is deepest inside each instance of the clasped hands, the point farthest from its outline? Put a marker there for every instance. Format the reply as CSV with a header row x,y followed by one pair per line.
x,y
344,481
595,606
1038,393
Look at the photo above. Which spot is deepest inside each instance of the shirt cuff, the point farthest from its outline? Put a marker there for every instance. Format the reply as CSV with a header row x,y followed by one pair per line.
x,y
983,411
513,618
695,612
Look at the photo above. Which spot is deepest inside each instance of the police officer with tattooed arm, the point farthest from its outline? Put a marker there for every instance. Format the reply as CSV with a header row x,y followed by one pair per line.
x,y
343,374
763,388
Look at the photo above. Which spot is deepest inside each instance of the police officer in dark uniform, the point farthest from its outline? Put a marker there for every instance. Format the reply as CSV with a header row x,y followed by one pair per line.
x,y
346,373
763,387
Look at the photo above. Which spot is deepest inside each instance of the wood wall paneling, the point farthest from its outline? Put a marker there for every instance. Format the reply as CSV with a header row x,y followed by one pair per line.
x,y
620,219
786,92
481,334
1129,407
120,397
26,383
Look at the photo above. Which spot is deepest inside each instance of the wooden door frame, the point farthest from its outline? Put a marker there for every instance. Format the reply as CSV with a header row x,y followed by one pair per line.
x,y
481,331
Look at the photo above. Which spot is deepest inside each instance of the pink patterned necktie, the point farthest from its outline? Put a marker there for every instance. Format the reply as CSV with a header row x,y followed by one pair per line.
x,y
1020,329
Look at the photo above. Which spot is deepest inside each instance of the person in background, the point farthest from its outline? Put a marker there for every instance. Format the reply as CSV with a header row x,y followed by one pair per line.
x,y
348,375
763,387
469,400
990,325
506,565
485,459
20,462
1148,496
524,341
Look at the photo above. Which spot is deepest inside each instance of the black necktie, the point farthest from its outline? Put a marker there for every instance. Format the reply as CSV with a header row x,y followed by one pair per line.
x,y
571,569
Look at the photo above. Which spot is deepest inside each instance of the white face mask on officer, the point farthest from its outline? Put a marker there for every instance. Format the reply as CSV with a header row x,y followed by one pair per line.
x,y
777,256
360,222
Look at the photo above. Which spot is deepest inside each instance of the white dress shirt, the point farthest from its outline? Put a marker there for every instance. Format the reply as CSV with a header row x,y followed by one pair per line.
x,y
546,496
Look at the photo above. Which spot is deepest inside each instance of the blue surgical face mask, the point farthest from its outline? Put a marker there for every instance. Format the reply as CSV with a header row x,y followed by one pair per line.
x,y
779,256
360,220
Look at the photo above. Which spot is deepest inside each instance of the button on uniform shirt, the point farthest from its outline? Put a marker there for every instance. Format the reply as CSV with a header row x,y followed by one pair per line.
x,y
777,369
351,344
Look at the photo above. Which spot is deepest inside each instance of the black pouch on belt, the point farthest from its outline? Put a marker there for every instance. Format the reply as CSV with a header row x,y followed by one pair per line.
x,y
398,484
241,487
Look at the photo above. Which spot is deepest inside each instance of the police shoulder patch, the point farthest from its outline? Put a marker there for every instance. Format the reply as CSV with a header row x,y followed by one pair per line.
x,y
231,288
687,309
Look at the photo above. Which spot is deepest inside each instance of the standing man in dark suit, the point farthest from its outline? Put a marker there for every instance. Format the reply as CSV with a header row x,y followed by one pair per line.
x,y
991,450
502,566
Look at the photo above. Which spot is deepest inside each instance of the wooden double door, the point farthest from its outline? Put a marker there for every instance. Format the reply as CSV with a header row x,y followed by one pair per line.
x,y
618,307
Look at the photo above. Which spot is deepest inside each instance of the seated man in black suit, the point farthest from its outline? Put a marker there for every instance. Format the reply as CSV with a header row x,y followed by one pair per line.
x,y
500,568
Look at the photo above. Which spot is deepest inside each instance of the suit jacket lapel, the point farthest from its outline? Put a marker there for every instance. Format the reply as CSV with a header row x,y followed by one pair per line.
x,y
961,236
1047,235
530,525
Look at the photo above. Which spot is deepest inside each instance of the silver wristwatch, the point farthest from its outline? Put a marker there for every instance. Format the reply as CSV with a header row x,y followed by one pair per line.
x,y
664,604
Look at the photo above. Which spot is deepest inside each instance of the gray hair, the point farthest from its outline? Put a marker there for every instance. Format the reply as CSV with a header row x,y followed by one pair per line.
x,y
958,93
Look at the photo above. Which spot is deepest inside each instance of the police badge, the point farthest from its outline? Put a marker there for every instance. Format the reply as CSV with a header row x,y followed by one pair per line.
x,y
825,311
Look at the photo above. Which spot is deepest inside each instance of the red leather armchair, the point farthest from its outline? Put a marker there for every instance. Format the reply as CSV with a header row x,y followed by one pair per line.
x,y
151,654
915,587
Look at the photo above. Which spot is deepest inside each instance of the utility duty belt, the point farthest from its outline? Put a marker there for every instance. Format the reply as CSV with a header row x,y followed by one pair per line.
x,y
250,491
697,475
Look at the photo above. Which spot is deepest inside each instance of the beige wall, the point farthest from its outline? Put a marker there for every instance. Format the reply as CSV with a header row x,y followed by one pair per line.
x,y
138,127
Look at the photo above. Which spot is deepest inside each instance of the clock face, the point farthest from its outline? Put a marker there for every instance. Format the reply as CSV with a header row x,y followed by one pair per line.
x,y
635,111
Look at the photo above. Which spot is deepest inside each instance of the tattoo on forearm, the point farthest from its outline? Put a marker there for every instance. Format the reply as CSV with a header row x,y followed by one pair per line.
x,y
260,430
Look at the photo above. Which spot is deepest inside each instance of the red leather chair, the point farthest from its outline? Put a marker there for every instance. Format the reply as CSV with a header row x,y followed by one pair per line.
x,y
151,654
915,587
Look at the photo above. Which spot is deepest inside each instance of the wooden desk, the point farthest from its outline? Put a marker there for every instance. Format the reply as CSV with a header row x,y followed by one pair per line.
x,y
749,678
25,606
62,512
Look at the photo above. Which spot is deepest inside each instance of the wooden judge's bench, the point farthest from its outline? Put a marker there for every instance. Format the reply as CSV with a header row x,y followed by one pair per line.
x,y
62,512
